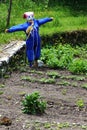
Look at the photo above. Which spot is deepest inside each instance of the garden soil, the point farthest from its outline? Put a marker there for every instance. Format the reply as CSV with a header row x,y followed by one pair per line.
x,y
66,99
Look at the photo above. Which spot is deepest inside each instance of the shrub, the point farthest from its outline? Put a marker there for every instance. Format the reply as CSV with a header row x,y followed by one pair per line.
x,y
32,104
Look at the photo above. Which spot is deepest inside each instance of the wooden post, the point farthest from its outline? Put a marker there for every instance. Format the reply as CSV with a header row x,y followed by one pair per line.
x,y
9,12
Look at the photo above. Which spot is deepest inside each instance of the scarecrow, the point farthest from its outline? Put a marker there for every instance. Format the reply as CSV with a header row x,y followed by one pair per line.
x,y
33,40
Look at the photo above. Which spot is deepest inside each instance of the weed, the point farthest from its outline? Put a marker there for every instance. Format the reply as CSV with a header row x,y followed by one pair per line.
x,y
32,104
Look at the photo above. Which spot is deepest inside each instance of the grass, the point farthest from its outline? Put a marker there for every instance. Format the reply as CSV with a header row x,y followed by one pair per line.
x,y
65,19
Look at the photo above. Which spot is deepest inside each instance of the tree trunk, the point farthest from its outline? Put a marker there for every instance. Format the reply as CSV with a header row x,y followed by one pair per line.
x,y
9,12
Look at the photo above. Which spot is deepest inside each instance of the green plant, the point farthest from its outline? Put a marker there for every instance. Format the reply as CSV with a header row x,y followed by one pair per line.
x,y
63,82
2,85
79,78
1,92
63,125
28,78
64,91
58,56
80,103
84,86
47,125
65,57
75,84
53,74
33,104
49,80
84,127
78,65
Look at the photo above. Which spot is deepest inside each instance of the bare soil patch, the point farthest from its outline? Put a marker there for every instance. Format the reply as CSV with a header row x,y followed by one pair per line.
x,y
62,96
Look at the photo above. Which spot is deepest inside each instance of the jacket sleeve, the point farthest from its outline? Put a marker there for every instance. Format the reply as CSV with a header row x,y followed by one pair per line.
x,y
19,27
44,20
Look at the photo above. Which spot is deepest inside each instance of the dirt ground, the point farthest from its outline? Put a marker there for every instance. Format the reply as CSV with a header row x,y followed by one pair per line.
x,y
64,96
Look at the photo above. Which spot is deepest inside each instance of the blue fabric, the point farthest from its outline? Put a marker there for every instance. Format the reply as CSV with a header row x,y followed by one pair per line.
x,y
33,47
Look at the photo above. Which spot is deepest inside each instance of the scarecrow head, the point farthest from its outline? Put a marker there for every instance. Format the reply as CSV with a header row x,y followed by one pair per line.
x,y
28,16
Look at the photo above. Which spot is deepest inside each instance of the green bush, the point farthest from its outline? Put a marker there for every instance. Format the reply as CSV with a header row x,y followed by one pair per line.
x,y
32,104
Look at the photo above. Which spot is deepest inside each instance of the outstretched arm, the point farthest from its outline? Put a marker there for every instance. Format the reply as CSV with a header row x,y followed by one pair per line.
x,y
44,20
20,27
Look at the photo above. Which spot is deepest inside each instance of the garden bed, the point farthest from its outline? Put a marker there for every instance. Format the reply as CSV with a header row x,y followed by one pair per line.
x,y
65,94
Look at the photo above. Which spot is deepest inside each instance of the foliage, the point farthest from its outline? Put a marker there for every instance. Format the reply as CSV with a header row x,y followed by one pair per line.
x,y
32,104
64,57
74,4
78,65
58,57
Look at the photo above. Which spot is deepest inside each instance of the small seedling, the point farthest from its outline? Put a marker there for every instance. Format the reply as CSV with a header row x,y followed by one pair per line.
x,y
63,125
74,84
22,93
64,91
47,125
6,76
84,127
84,86
53,74
2,85
80,103
65,83
1,92
49,80
27,78
79,78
